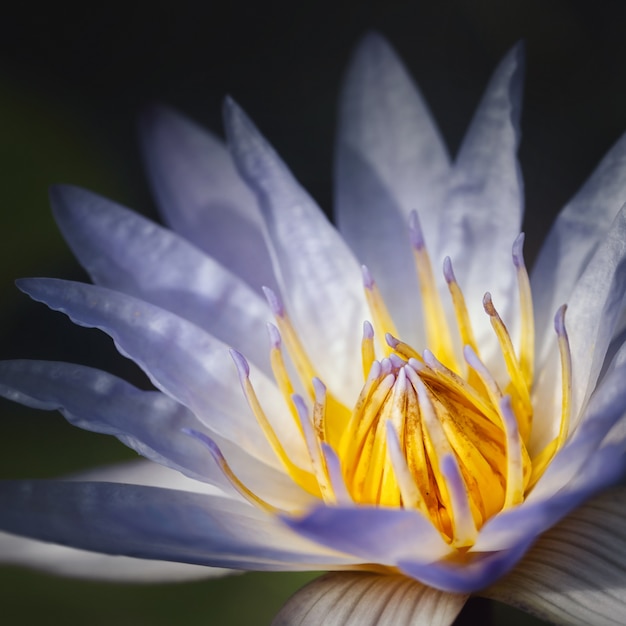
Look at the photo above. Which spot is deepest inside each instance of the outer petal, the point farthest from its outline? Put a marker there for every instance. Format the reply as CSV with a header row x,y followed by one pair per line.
x,y
149,422
594,311
374,534
474,576
483,214
577,231
575,573
201,195
153,523
128,253
195,371
390,160
65,561
320,279
364,599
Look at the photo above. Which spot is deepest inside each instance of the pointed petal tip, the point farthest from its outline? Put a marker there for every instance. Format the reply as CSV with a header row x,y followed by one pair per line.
x,y
66,198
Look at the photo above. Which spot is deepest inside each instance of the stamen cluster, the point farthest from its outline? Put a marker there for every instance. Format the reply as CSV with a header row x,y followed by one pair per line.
x,y
429,431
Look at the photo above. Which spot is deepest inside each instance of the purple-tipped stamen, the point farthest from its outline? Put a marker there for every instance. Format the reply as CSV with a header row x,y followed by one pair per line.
x,y
276,306
416,234
368,281
448,272
518,251
274,335
559,321
243,369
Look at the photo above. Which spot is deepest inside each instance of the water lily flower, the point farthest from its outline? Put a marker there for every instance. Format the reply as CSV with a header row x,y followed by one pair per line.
x,y
395,400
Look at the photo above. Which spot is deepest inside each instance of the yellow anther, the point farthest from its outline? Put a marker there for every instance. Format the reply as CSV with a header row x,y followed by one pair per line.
x,y
409,491
515,483
315,453
442,378
319,410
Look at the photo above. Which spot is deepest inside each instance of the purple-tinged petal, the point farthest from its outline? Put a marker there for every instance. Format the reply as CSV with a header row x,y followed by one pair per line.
x,y
202,197
319,277
575,573
374,534
522,524
481,571
594,310
578,230
182,360
129,253
153,523
64,561
390,160
367,599
483,214
149,422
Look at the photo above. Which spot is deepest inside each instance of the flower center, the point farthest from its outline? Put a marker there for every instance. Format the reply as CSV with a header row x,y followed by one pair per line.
x,y
430,431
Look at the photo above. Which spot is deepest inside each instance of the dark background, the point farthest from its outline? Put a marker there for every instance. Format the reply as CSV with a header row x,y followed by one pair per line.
x,y
73,81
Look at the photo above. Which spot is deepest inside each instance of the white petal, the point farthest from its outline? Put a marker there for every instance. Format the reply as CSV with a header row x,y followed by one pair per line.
x,y
366,599
128,253
320,279
390,160
577,231
594,310
149,422
201,195
157,523
197,370
575,573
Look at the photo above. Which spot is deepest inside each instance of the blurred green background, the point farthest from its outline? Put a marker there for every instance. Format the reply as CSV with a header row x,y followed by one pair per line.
x,y
73,80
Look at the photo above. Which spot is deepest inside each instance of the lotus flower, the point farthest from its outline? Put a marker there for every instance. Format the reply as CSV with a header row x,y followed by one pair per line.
x,y
395,401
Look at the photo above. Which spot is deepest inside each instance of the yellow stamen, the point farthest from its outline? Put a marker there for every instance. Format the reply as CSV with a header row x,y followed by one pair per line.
x,y
315,453
383,323
518,387
429,431
401,348
527,334
305,479
541,461
217,455
437,331
298,355
462,318
566,374
367,348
